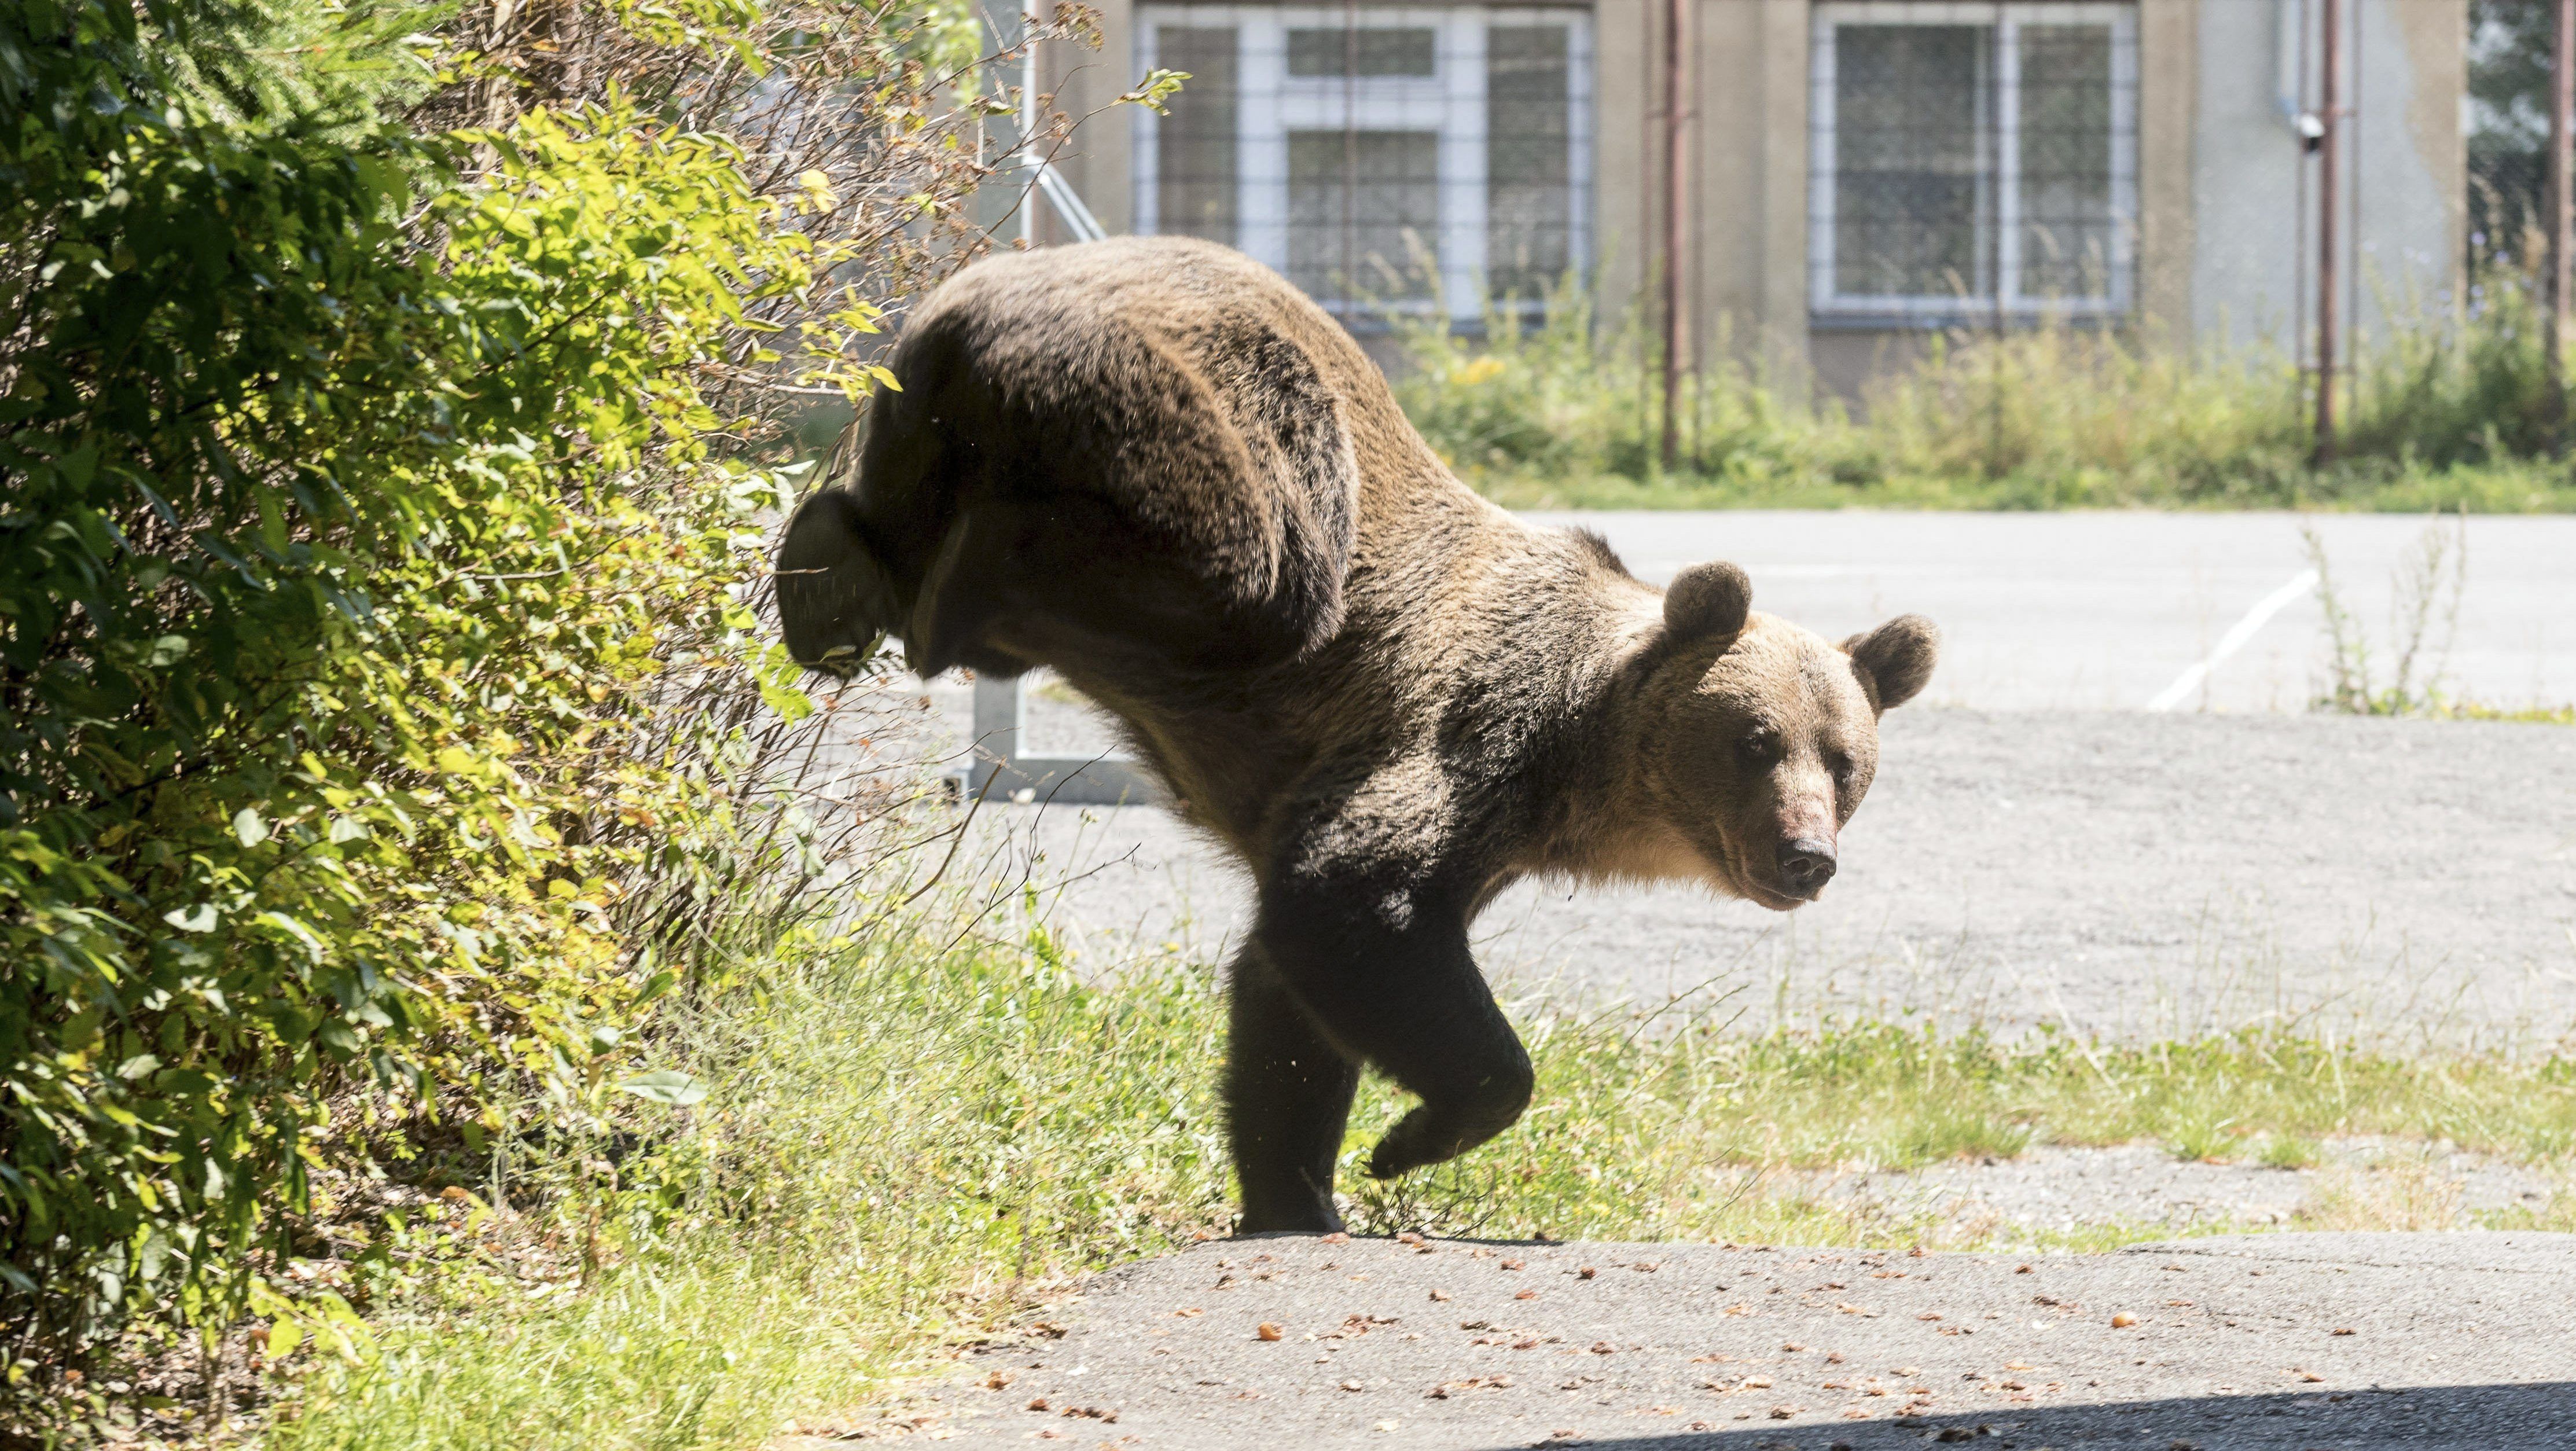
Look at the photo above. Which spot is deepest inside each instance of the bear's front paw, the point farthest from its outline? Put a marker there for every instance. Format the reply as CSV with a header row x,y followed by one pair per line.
x,y
1420,1137
1449,1124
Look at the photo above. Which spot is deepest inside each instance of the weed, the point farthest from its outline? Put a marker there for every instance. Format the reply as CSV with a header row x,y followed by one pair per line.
x,y
2197,1138
900,1146
2425,617
2290,1151
1562,409
2557,1215
2407,1194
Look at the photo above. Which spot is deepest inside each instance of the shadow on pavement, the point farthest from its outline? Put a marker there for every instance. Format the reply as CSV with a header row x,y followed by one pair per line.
x,y
2486,1417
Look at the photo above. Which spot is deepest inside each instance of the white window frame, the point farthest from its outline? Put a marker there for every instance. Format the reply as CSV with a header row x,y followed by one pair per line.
x,y
1269,103
2006,17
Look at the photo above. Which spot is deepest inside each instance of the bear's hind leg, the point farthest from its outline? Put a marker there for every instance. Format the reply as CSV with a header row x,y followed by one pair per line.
x,y
1287,1098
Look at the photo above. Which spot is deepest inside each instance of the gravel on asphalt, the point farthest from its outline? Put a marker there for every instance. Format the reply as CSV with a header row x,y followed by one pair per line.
x,y
2130,875
2350,1341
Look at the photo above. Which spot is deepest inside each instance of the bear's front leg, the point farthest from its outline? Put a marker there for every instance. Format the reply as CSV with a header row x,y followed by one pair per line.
x,y
1379,961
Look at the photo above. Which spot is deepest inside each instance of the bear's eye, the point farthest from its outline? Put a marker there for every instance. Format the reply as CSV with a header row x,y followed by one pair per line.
x,y
1760,748
1841,766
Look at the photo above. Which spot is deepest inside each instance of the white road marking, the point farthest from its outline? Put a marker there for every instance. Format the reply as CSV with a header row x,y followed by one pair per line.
x,y
2234,640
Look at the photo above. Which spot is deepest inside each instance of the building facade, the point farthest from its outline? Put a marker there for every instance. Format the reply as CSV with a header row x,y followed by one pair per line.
x,y
1858,175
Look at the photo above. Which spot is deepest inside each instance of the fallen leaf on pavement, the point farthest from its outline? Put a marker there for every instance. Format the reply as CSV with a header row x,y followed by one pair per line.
x,y
1268,1331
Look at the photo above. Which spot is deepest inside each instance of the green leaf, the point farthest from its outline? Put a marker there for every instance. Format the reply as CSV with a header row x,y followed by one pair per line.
x,y
199,918
249,827
667,1086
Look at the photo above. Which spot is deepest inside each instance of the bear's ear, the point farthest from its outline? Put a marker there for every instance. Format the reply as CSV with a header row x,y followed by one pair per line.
x,y
1896,659
1707,600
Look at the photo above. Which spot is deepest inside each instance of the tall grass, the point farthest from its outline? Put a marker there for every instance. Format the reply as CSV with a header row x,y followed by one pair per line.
x,y
902,1143
1564,408
909,1141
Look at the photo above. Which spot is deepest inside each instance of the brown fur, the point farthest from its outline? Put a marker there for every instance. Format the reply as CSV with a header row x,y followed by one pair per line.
x,y
1154,466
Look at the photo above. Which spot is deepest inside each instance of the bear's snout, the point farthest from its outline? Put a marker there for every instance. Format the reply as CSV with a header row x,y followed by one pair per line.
x,y
1806,864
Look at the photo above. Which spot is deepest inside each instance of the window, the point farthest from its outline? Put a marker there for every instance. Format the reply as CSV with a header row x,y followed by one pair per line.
x,y
1383,158
1969,158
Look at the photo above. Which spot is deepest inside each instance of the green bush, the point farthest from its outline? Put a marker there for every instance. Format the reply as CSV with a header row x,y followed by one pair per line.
x,y
363,514
1563,392
1560,408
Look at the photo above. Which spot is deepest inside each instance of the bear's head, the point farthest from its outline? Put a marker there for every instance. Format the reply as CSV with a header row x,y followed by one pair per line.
x,y
1758,738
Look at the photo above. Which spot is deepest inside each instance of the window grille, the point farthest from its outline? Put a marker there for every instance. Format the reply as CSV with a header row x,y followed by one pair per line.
x,y
1969,159
1384,158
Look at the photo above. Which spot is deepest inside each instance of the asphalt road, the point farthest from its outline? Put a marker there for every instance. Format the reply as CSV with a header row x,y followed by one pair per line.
x,y
2351,1342
2113,872
2108,610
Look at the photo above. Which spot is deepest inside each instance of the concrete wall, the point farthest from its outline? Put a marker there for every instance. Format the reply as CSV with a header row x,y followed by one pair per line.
x,y
1744,268
2404,171
1099,160
2225,251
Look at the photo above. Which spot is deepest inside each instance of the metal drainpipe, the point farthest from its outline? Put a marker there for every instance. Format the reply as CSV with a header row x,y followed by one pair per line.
x,y
2330,63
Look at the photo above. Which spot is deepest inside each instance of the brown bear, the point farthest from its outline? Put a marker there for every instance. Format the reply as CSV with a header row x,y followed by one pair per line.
x,y
1155,466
